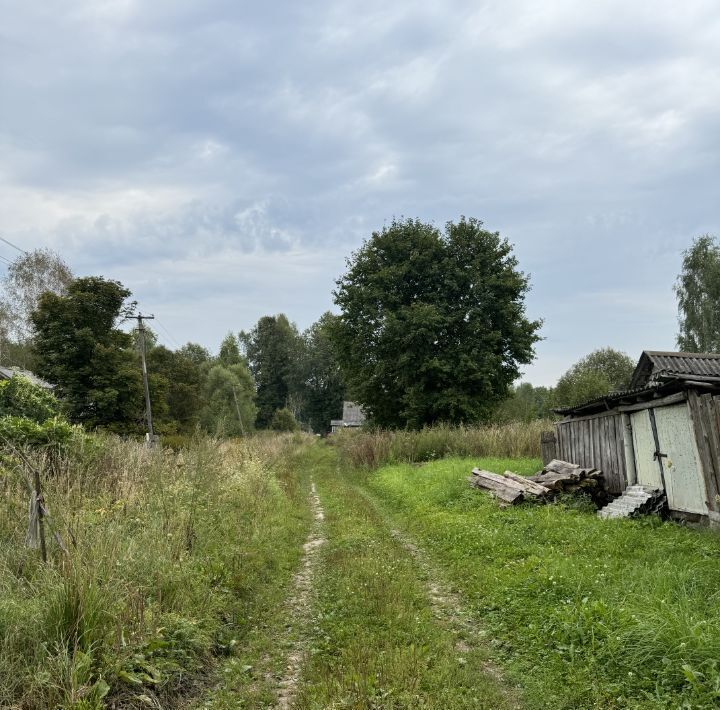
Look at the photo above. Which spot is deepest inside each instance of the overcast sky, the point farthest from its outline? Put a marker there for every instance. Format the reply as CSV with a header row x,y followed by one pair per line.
x,y
222,158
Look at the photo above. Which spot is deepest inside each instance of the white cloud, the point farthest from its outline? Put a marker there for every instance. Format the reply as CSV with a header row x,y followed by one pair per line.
x,y
226,147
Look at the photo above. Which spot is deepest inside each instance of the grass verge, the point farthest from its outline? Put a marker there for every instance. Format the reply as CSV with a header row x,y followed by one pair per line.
x,y
178,556
586,613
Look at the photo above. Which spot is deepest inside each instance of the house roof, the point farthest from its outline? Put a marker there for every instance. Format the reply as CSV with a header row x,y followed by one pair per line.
x,y
7,372
655,363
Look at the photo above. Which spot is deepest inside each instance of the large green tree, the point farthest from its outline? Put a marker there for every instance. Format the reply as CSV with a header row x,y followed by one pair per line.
x,y
698,293
432,325
316,383
271,348
595,375
81,350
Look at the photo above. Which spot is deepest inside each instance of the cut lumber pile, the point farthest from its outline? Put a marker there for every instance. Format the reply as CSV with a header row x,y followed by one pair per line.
x,y
509,488
557,477
563,477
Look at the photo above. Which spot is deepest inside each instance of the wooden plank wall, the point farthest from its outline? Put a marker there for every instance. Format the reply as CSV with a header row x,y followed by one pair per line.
x,y
595,442
705,413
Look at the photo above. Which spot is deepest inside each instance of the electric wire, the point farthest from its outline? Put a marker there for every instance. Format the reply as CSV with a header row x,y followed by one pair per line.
x,y
14,246
167,332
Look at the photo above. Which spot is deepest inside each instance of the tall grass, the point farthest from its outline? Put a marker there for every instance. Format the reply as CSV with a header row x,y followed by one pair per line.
x,y
371,449
168,555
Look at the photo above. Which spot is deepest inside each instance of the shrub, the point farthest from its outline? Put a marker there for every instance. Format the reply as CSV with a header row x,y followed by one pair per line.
x,y
19,397
54,433
284,420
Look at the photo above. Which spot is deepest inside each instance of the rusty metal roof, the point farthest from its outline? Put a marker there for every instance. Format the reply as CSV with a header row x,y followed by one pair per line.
x,y
655,363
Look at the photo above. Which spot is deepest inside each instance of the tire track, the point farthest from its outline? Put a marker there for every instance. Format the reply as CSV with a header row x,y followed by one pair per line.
x,y
300,605
448,607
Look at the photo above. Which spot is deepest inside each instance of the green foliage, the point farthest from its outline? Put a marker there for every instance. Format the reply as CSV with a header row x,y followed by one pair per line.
x,y
586,613
197,354
230,351
698,293
228,389
433,325
525,404
316,384
271,348
19,397
82,352
597,374
156,584
176,384
55,433
283,420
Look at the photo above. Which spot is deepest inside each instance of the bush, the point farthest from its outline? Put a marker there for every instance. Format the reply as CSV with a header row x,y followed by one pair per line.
x,y
284,420
54,433
21,398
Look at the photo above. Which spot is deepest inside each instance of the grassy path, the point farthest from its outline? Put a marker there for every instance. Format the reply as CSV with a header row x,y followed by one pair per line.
x,y
367,622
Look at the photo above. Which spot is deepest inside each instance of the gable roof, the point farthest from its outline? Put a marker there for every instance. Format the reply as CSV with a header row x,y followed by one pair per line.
x,y
654,363
7,372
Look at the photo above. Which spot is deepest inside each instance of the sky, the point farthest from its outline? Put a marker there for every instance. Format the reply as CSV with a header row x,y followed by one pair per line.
x,y
223,158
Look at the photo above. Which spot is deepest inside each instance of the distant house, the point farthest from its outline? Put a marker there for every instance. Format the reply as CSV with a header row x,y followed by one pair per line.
x,y
662,433
7,373
352,417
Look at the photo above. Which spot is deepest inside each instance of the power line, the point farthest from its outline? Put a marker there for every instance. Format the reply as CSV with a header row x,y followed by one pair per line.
x,y
167,332
14,246
7,261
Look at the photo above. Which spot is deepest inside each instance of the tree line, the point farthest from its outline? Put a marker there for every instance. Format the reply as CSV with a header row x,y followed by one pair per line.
x,y
431,327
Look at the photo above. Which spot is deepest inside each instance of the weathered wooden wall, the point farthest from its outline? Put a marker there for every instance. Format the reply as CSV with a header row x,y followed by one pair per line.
x,y
705,413
595,442
548,447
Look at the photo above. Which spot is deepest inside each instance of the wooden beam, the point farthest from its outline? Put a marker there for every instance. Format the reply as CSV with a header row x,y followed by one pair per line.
x,y
676,398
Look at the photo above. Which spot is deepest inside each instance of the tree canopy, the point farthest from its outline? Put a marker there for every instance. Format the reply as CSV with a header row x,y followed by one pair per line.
x,y
698,293
81,351
316,384
432,324
271,348
597,374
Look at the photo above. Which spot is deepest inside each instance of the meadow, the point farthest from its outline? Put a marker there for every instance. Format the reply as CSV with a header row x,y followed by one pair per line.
x,y
186,582
171,558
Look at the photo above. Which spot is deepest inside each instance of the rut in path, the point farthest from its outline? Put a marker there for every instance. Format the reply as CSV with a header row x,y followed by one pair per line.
x,y
448,607
300,604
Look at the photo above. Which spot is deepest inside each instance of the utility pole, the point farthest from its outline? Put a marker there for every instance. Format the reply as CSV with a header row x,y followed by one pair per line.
x,y
148,409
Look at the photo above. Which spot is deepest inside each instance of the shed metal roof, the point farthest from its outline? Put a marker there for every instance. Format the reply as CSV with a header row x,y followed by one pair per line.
x,y
655,362
657,372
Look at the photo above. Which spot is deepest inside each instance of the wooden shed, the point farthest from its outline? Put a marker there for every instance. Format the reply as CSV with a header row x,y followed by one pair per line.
x,y
662,433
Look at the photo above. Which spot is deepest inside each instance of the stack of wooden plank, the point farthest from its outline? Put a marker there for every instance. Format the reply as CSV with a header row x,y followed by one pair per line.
x,y
557,477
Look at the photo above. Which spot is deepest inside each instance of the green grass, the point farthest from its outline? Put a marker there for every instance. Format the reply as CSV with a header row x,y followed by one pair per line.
x,y
374,641
178,558
586,613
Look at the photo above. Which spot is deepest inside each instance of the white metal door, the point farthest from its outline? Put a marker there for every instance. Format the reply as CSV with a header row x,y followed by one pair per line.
x,y
683,473
648,471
